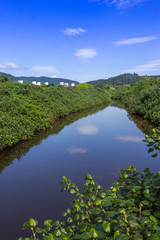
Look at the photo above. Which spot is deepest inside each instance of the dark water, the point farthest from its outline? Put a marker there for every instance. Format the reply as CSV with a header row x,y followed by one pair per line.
x,y
100,144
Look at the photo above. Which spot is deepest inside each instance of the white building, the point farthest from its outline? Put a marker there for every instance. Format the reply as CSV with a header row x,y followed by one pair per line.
x,y
46,83
34,83
20,81
38,83
66,84
61,83
72,84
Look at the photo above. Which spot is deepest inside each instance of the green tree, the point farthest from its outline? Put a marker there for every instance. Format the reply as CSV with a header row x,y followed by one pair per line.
x,y
84,85
4,78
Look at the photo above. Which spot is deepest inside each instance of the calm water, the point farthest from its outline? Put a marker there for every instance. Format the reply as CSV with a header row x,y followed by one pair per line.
x,y
100,144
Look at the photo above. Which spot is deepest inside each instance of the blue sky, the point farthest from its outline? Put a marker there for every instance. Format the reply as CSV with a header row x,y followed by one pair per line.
x,y
79,39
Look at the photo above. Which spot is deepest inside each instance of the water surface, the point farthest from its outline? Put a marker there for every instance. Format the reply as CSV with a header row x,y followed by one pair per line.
x,y
100,144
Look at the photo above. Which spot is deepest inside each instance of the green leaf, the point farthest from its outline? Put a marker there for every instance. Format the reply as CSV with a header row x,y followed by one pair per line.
x,y
98,202
56,224
102,195
96,211
51,237
99,187
84,236
57,233
153,219
48,223
106,202
82,227
137,236
101,235
136,188
134,224
147,213
94,233
69,220
72,191
157,214
154,155
122,237
32,222
150,150
88,176
99,219
106,226
64,180
145,202
26,225
116,234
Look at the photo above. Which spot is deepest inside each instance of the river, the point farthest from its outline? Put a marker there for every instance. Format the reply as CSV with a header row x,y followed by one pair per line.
x,y
100,141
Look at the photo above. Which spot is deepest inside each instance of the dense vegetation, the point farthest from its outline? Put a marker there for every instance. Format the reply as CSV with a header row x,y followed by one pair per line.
x,y
26,108
43,79
141,98
121,79
129,210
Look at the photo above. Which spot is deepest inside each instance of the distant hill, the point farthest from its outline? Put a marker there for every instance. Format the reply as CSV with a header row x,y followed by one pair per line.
x,y
43,79
121,79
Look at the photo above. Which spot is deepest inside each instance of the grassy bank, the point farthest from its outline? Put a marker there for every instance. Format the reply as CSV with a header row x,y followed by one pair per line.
x,y
142,98
25,108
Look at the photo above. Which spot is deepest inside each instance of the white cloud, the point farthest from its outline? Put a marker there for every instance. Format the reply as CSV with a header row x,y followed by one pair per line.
x,y
86,53
88,129
44,70
121,3
73,31
8,65
129,139
131,41
76,150
151,66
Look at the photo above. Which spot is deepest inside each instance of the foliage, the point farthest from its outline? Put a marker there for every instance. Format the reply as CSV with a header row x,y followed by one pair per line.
x,y
85,85
4,78
142,98
129,210
26,108
153,142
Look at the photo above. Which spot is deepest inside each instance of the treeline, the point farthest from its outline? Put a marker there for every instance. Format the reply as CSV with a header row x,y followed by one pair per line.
x,y
26,108
142,98
119,80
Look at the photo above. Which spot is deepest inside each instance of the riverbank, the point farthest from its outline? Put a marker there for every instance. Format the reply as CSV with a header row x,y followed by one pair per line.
x,y
26,109
141,98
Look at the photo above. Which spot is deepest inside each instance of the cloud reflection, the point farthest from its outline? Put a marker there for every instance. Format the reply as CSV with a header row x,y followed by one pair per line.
x,y
129,139
76,150
88,129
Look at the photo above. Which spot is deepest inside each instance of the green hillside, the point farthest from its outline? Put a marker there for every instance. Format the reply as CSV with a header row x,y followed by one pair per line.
x,y
121,79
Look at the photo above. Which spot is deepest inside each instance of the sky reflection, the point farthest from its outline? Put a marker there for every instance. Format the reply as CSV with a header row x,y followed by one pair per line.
x,y
129,139
88,129
76,150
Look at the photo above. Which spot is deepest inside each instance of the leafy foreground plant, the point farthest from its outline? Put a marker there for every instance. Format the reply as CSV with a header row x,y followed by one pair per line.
x,y
153,142
130,209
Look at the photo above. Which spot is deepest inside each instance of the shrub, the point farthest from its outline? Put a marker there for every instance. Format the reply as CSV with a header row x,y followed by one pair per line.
x,y
129,210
